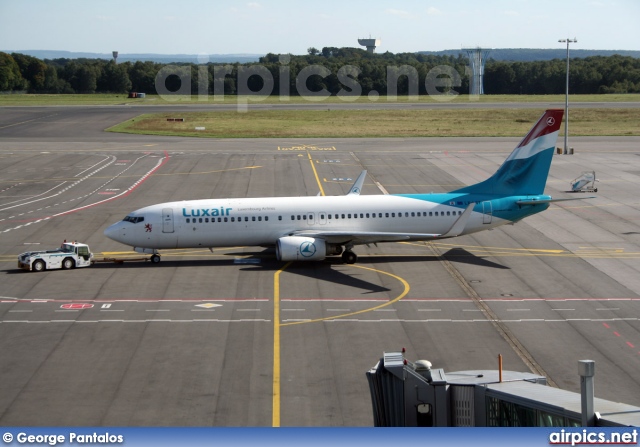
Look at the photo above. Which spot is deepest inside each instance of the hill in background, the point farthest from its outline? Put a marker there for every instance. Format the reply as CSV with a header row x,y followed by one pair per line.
x,y
535,54
498,54
133,57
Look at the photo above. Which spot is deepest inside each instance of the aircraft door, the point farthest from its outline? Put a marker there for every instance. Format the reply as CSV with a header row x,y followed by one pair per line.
x,y
167,220
487,212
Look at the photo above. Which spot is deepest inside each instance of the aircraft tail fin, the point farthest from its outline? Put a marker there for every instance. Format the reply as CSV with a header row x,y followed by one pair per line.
x,y
525,171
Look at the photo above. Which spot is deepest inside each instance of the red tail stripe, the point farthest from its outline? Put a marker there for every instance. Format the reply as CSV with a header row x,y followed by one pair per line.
x,y
549,123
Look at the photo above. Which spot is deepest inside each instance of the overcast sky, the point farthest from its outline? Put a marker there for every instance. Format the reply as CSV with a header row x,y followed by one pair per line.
x,y
287,26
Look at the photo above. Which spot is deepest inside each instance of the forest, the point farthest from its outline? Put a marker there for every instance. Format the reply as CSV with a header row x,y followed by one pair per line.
x,y
329,70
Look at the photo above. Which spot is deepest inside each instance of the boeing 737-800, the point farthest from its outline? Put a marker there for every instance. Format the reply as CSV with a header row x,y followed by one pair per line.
x,y
312,228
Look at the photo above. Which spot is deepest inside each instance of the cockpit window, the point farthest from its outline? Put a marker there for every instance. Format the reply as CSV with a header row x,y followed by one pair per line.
x,y
133,219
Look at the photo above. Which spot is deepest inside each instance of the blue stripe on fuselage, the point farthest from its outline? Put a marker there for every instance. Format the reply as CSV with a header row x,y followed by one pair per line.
x,y
502,207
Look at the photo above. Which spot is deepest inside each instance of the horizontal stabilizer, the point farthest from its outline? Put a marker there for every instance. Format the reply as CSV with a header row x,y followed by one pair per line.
x,y
540,201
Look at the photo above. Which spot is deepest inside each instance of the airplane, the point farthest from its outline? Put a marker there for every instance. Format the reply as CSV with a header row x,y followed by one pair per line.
x,y
312,228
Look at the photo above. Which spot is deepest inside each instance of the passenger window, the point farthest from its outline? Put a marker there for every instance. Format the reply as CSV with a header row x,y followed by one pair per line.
x,y
253,218
430,213
279,217
393,214
266,218
188,220
220,219
259,218
200,220
414,214
349,216
206,220
225,219
448,213
329,217
298,217
386,214
233,219
343,216
367,215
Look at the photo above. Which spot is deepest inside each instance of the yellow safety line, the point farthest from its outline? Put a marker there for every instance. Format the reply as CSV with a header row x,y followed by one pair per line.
x,y
315,173
398,298
276,347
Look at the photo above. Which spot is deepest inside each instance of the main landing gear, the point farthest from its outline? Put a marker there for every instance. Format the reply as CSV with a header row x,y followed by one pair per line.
x,y
155,259
348,256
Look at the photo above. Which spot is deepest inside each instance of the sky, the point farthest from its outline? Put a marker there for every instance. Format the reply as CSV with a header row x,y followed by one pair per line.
x,y
288,26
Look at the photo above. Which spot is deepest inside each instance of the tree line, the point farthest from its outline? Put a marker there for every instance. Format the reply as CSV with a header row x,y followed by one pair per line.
x,y
330,70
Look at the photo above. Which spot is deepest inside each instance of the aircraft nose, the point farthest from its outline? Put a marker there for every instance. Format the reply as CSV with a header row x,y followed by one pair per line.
x,y
115,232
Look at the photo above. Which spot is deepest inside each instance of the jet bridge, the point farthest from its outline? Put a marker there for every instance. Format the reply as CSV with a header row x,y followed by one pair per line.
x,y
408,394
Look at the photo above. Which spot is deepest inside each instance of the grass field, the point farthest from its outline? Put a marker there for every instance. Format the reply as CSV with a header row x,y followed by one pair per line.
x,y
118,99
377,123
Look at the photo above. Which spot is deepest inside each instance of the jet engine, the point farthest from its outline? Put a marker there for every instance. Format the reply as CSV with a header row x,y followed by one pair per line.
x,y
300,248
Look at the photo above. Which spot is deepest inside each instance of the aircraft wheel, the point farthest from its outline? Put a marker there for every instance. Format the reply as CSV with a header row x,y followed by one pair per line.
x,y
68,264
155,259
349,257
39,266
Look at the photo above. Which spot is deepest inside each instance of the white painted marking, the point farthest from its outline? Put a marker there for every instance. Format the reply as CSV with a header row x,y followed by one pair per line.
x,y
106,306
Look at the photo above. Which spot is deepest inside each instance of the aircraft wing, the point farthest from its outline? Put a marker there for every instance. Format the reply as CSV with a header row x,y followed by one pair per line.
x,y
363,237
368,237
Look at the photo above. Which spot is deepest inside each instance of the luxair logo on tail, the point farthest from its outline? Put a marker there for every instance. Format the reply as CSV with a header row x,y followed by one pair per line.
x,y
525,171
307,249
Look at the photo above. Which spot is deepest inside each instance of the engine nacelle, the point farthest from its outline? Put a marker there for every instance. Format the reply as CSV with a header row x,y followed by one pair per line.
x,y
299,248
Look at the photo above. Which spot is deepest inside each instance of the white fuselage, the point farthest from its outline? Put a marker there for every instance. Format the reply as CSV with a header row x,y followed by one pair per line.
x,y
262,221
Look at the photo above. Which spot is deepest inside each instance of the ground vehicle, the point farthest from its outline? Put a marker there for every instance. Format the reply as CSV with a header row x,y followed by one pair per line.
x,y
70,255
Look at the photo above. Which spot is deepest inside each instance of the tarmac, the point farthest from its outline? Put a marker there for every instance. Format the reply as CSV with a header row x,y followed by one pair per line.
x,y
231,337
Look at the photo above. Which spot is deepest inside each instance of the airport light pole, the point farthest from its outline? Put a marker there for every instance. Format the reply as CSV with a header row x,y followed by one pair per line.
x,y
566,99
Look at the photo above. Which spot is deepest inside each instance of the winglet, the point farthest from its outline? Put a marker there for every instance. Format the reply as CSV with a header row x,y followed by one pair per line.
x,y
357,185
458,226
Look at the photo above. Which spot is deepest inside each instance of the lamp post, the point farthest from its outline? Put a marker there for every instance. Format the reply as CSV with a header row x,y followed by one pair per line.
x,y
566,98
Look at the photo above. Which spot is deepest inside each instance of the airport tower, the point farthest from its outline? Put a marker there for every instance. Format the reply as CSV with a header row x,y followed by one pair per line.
x,y
477,58
370,43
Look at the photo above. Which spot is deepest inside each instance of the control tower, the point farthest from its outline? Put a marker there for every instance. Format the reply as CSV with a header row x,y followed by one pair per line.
x,y
370,43
477,58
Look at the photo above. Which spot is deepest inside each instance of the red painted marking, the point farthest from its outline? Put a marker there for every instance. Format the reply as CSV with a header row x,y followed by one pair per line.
x,y
75,210
616,334
630,345
76,306
550,122
606,325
